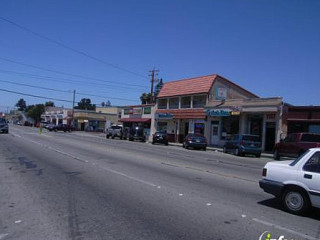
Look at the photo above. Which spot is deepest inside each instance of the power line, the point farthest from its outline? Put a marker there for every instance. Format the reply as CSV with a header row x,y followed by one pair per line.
x,y
35,96
64,91
63,73
69,48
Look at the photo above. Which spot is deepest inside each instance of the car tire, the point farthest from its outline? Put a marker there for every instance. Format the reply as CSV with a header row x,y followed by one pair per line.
x,y
295,201
166,143
258,155
276,155
107,136
224,149
204,149
152,142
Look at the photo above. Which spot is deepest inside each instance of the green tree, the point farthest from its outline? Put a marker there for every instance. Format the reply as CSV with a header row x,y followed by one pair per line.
x,y
21,104
35,111
85,104
158,88
145,98
49,104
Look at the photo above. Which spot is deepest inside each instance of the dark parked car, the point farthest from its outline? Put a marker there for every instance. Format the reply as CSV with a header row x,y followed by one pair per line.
x,y
160,137
4,127
60,127
196,141
137,133
241,144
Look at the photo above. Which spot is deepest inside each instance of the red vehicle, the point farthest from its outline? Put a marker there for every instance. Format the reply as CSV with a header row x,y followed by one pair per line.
x,y
296,144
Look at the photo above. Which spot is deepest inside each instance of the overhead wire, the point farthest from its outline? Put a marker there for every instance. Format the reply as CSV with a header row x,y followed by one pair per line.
x,y
70,48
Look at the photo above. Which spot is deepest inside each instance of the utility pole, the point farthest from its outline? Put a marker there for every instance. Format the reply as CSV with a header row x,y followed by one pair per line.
x,y
153,79
74,98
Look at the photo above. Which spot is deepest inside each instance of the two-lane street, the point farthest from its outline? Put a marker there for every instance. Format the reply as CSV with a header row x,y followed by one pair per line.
x,y
78,185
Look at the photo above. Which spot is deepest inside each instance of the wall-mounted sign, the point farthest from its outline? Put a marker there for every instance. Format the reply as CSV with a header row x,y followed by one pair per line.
x,y
137,111
218,112
221,93
164,116
147,110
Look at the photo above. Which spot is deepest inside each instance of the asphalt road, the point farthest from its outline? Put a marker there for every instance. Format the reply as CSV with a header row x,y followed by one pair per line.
x,y
82,186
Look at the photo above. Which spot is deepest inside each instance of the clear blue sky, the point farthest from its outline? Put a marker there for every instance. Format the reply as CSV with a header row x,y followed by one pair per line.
x,y
269,47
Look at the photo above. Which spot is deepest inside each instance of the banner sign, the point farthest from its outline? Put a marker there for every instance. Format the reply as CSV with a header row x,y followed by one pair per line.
x,y
164,116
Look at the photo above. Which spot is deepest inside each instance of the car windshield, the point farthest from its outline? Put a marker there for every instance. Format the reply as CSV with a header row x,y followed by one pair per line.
x,y
2,120
251,138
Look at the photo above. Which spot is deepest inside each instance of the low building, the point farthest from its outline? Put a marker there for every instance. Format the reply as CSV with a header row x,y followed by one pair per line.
x,y
215,107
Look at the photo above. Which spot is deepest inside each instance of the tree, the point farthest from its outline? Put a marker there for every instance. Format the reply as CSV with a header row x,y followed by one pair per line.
x,y
21,104
85,104
49,104
158,88
35,111
145,98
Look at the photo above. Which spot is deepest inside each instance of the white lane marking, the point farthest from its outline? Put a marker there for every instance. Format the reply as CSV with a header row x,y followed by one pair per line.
x,y
209,204
3,235
284,229
243,216
130,177
18,221
180,194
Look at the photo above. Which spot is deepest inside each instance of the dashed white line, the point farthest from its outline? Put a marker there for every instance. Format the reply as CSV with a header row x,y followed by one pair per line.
x,y
3,235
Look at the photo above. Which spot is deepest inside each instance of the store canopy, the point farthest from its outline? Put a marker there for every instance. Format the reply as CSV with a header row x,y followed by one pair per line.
x,y
137,120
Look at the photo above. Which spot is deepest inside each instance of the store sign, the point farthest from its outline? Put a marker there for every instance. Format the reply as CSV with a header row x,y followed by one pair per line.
x,y
218,112
164,116
137,111
147,110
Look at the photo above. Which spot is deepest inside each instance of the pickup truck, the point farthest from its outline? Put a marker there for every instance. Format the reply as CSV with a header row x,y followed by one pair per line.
x,y
296,144
295,182
115,131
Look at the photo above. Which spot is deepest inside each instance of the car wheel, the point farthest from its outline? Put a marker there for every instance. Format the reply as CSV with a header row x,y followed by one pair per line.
x,y
107,136
276,155
224,149
152,142
167,143
258,155
295,201
237,152
204,149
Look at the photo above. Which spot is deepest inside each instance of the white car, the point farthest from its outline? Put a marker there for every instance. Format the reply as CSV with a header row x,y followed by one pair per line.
x,y
296,183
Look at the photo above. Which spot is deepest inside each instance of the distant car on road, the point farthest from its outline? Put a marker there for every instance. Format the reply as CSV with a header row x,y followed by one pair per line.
x,y
137,133
160,137
196,141
296,144
114,131
241,144
4,127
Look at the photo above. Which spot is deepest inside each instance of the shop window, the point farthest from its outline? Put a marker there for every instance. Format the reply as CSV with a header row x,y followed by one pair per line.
x,y
186,102
173,103
230,126
162,104
162,127
199,101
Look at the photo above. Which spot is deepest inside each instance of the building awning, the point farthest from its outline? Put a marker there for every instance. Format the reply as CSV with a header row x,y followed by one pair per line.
x,y
137,120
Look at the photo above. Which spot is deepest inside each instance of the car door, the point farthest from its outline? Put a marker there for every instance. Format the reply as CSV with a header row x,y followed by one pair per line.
x,y
310,176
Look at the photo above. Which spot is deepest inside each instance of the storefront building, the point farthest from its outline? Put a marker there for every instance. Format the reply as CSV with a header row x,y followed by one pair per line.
x,y
215,107
300,119
138,115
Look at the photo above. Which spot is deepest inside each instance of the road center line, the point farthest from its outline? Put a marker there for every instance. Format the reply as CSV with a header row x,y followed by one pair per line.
x,y
283,229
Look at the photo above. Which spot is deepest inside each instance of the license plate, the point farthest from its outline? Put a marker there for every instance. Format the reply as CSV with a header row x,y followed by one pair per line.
x,y
197,141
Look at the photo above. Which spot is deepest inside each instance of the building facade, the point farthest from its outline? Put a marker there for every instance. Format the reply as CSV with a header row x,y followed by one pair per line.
x,y
217,108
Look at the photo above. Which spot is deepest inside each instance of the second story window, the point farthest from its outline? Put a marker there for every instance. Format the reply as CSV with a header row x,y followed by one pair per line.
x,y
199,101
162,103
186,102
173,103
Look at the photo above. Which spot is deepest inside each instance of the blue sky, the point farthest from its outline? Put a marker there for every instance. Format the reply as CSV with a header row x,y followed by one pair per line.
x,y
269,47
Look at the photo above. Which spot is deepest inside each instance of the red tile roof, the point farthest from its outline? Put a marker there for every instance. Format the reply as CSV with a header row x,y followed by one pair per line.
x,y
189,86
139,120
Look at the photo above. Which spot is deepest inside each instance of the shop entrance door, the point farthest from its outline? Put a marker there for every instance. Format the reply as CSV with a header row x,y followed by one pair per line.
x,y
215,132
270,136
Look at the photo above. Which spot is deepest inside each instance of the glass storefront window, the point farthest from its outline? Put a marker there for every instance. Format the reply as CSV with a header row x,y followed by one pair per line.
x,y
230,126
162,127
162,104
173,103
186,102
199,101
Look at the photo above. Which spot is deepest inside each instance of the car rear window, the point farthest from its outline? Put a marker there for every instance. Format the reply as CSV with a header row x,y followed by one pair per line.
x,y
251,138
310,138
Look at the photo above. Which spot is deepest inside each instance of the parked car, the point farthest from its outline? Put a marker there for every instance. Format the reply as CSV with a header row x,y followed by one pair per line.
x,y
296,182
295,144
160,137
114,131
241,144
196,141
137,133
64,127
50,127
4,127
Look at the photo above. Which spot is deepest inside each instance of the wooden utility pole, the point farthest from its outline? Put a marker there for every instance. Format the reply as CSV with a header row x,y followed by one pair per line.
x,y
74,98
153,79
